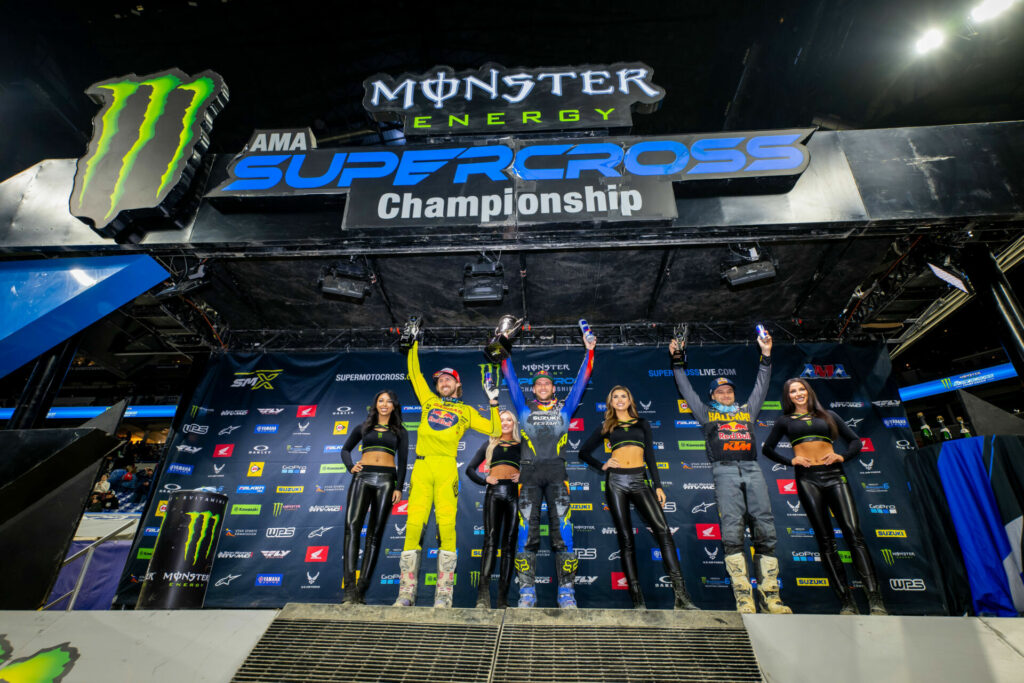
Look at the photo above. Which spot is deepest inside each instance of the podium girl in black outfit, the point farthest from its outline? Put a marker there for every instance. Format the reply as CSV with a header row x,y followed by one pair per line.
x,y
500,457
376,486
822,486
629,437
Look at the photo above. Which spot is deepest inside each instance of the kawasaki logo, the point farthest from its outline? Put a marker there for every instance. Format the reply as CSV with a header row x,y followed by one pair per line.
x,y
204,526
150,133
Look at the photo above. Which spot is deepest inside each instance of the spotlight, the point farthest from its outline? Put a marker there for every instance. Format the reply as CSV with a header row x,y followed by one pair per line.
x,y
346,279
990,8
950,276
483,282
932,39
748,265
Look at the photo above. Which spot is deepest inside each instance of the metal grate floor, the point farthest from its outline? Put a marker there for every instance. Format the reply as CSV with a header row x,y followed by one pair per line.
x,y
516,646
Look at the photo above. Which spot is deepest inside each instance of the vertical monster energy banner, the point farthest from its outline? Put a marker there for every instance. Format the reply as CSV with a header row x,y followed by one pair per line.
x,y
267,431
148,141
179,570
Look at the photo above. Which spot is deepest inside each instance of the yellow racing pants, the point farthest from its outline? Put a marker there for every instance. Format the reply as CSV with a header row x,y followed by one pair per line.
x,y
434,481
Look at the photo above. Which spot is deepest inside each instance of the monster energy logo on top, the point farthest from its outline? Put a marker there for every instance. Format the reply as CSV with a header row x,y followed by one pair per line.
x,y
148,141
206,531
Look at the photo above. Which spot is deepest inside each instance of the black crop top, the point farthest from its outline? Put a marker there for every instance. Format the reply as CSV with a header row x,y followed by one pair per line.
x,y
636,433
505,453
804,428
384,442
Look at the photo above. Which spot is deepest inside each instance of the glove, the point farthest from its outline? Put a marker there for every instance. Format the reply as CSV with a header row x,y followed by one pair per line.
x,y
490,387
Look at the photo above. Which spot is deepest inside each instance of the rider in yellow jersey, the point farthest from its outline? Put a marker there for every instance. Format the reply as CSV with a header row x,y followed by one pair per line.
x,y
435,476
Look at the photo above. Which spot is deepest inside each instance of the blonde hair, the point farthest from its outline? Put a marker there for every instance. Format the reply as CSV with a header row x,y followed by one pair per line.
x,y
610,417
496,439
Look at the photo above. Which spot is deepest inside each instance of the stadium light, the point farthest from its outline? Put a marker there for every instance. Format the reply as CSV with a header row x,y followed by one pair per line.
x,y
990,8
933,38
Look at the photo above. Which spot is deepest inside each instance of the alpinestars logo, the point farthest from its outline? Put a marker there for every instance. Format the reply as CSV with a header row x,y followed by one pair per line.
x,y
206,532
150,132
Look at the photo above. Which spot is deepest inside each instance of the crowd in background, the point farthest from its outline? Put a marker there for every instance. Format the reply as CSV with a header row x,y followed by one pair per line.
x,y
124,471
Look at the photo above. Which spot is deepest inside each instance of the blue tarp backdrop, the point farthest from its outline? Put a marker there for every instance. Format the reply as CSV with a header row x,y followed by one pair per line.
x,y
267,431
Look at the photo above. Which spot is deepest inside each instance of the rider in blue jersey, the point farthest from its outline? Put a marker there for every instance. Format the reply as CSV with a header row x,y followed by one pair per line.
x,y
544,425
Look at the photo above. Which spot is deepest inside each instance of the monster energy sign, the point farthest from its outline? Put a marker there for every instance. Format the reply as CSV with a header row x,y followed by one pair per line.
x,y
179,571
148,141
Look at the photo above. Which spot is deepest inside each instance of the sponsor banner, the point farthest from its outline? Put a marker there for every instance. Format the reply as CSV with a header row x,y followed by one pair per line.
x,y
341,385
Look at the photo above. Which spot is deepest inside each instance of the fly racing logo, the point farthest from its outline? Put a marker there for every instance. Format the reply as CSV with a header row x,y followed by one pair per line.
x,y
584,580
275,554
195,429
868,465
228,430
317,533
189,449
270,411
258,379
151,132
702,507
226,580
200,531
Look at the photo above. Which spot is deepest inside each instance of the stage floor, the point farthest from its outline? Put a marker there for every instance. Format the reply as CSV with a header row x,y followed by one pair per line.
x,y
212,645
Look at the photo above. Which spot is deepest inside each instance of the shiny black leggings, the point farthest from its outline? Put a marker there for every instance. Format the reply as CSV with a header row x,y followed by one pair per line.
x,y
625,486
501,514
822,489
370,492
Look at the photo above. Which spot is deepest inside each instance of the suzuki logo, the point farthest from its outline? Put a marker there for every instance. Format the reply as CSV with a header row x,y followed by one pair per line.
x,y
701,507
226,580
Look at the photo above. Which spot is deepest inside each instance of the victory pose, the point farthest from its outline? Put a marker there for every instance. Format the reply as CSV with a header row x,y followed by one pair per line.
x,y
544,423
376,486
822,486
435,476
500,457
629,437
740,489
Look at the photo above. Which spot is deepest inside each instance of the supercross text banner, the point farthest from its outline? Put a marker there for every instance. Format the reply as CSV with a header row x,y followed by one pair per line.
x,y
266,430
494,99
509,181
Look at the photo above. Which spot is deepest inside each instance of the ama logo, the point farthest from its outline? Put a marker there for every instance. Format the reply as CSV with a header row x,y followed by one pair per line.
x,y
815,371
147,145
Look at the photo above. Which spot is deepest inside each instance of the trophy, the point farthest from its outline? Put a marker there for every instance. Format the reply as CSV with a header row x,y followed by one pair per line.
x,y
680,333
500,345
410,332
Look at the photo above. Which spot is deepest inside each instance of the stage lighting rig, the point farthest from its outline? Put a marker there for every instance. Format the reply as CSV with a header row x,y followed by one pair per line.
x,y
483,282
345,279
193,279
951,275
747,264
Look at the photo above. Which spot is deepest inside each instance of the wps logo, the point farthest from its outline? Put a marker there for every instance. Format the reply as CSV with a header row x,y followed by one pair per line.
x,y
260,379
709,532
814,371
906,584
206,531
786,486
150,131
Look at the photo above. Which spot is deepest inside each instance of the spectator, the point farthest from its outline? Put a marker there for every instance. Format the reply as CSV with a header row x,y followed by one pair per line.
x,y
115,477
128,481
144,481
109,502
102,486
95,503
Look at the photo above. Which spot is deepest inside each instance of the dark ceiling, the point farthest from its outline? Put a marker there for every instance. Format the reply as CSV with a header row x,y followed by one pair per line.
x,y
725,65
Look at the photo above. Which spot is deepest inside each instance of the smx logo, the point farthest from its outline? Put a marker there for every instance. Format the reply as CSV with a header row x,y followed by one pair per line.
x,y
207,532
259,379
148,138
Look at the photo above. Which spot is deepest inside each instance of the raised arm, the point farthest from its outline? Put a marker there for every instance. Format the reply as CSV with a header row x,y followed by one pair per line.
x,y
471,468
652,465
572,401
419,385
697,407
764,377
350,443
588,447
490,427
514,392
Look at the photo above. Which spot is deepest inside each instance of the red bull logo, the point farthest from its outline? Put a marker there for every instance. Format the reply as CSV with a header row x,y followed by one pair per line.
x,y
441,419
734,431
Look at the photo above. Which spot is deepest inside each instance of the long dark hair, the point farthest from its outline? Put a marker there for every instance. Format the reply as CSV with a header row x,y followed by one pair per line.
x,y
814,406
394,419
611,419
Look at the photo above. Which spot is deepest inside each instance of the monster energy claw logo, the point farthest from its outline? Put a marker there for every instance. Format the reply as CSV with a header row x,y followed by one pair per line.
x,y
48,665
149,135
193,518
